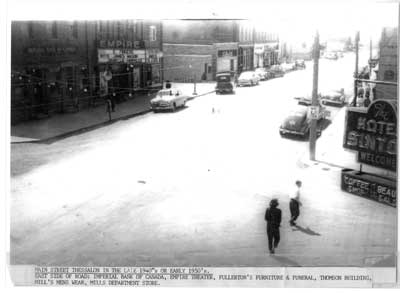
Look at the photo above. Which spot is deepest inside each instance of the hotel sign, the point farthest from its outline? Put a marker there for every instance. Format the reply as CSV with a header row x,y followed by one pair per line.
x,y
373,133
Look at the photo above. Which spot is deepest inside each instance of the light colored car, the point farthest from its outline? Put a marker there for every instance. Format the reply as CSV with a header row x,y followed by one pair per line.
x,y
333,98
168,99
248,78
262,73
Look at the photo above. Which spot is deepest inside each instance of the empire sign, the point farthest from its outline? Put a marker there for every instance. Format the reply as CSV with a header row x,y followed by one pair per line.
x,y
373,133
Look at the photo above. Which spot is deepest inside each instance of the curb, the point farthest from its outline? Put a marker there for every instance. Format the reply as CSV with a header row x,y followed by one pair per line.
x,y
96,126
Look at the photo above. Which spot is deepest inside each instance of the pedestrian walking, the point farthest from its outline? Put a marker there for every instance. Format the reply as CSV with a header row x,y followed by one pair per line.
x,y
273,216
295,203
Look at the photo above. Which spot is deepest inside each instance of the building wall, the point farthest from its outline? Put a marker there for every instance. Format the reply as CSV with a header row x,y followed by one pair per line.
x,y
184,62
56,65
387,64
50,67
200,32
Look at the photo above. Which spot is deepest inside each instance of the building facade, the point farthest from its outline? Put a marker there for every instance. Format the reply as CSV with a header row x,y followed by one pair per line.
x,y
246,46
388,68
266,49
61,66
198,49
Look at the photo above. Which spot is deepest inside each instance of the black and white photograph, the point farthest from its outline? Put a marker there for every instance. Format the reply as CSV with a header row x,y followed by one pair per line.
x,y
214,134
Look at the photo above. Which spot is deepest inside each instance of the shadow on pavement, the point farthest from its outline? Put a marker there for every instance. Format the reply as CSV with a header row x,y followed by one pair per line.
x,y
306,230
284,261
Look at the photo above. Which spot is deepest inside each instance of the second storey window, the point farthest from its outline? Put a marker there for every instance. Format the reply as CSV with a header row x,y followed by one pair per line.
x,y
153,33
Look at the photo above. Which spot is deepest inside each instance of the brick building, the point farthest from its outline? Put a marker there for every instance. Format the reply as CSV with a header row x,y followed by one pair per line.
x,y
198,49
61,66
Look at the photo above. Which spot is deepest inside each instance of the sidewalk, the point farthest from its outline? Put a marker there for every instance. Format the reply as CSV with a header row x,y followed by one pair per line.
x,y
63,125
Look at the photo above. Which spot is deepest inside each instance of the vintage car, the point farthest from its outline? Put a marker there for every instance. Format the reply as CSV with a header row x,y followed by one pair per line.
x,y
262,73
276,71
248,78
298,122
300,64
333,98
331,56
225,83
168,99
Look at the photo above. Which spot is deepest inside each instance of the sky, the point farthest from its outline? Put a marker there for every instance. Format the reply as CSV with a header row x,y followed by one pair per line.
x,y
293,20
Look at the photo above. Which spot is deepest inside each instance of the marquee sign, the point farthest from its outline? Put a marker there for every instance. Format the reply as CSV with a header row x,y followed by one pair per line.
x,y
120,44
373,133
121,56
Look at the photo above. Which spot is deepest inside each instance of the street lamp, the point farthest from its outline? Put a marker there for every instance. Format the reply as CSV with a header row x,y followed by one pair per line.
x,y
194,82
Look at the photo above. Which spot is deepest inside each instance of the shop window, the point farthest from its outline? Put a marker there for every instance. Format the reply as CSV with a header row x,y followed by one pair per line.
x,y
153,33
388,75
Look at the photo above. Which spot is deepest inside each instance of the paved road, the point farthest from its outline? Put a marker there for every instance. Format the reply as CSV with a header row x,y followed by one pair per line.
x,y
190,188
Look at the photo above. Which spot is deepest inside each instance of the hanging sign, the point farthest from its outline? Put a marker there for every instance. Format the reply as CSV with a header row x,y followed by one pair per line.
x,y
372,132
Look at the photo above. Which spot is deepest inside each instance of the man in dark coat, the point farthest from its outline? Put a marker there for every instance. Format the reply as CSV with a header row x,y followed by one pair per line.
x,y
273,216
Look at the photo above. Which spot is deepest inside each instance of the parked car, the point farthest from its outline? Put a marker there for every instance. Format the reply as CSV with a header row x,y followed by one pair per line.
x,y
300,64
288,67
298,122
262,73
225,82
333,98
248,78
168,99
331,56
276,71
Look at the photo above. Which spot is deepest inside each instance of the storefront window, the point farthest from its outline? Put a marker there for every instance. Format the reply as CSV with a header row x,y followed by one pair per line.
x,y
156,73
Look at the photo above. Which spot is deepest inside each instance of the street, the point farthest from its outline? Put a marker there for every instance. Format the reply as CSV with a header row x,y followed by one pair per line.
x,y
190,188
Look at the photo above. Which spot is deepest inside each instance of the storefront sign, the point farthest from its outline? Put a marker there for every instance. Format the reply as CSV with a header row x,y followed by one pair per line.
x,y
121,44
51,51
373,132
369,186
121,56
227,53
258,49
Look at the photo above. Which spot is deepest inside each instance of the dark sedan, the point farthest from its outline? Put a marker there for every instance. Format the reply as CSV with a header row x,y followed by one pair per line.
x,y
298,123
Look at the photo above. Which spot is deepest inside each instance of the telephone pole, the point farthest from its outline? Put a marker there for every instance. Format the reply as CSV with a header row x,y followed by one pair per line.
x,y
315,103
356,70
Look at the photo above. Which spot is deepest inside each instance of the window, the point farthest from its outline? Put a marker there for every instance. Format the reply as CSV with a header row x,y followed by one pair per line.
x,y
388,75
153,33
30,30
75,29
54,30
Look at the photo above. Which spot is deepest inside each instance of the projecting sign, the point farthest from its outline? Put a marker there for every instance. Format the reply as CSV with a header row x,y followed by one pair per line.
x,y
370,186
373,133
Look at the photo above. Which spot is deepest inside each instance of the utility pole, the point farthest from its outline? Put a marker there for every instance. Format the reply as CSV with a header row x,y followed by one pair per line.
x,y
315,103
356,70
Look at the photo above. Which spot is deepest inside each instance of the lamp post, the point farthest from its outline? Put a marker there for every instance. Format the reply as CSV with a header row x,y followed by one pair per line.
x,y
194,86
194,82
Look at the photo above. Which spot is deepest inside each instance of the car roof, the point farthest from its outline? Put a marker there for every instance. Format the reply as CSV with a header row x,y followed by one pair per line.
x,y
167,90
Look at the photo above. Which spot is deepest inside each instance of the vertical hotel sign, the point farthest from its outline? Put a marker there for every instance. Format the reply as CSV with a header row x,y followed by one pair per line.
x,y
373,133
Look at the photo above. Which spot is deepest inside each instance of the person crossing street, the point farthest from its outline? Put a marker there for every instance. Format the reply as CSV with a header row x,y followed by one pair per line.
x,y
295,204
273,216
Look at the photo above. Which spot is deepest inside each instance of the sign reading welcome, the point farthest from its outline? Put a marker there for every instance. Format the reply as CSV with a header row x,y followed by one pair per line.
x,y
373,133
